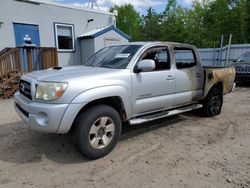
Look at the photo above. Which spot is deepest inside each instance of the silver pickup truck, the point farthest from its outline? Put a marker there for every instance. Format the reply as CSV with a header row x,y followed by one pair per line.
x,y
134,84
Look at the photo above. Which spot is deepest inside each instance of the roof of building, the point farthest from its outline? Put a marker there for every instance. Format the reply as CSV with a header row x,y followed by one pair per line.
x,y
100,31
70,6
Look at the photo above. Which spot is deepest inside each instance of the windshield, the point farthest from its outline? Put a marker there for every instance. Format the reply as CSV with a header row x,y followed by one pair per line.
x,y
115,57
245,58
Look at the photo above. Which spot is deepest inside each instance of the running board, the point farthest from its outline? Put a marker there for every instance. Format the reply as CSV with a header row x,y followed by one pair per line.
x,y
163,114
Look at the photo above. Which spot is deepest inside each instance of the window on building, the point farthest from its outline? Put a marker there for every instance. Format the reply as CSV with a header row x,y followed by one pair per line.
x,y
65,37
184,58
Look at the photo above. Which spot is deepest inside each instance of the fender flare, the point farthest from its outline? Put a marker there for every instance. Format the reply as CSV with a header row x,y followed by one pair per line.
x,y
80,101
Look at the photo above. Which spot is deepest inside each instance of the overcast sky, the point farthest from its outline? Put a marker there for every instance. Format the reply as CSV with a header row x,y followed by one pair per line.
x,y
140,5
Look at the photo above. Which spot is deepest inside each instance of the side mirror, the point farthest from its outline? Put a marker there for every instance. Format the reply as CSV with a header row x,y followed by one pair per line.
x,y
145,65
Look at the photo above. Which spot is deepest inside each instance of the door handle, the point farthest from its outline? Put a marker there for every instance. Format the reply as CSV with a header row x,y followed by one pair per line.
x,y
170,77
198,75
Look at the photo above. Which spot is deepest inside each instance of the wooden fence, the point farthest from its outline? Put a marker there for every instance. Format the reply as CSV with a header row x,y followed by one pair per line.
x,y
17,61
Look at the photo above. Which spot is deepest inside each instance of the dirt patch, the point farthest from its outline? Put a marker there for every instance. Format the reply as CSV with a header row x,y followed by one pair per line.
x,y
181,151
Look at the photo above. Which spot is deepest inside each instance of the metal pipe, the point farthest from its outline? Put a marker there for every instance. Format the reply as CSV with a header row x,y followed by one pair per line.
x,y
221,46
229,49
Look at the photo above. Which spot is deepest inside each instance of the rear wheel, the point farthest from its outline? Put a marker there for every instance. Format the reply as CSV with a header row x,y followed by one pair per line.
x,y
97,131
213,103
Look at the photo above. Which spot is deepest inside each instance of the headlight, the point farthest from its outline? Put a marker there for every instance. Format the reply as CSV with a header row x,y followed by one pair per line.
x,y
50,91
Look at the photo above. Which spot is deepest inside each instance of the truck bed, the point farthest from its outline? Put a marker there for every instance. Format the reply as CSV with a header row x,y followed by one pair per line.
x,y
220,75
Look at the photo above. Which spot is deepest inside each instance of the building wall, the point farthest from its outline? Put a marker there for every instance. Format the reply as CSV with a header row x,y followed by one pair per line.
x,y
102,41
45,16
92,45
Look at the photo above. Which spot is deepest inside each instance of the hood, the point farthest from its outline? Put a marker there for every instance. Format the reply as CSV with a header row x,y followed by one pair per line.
x,y
241,64
80,79
242,67
68,73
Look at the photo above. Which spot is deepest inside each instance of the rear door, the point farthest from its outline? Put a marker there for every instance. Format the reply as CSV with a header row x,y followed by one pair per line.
x,y
154,90
189,76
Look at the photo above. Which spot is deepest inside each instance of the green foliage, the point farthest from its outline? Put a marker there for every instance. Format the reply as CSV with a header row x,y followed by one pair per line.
x,y
201,25
247,21
129,21
174,22
151,26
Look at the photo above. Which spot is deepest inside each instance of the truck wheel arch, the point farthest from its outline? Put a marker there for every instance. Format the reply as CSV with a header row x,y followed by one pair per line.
x,y
217,85
99,95
114,101
212,104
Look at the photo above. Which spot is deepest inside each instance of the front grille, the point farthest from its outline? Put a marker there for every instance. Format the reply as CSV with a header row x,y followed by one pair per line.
x,y
243,70
25,89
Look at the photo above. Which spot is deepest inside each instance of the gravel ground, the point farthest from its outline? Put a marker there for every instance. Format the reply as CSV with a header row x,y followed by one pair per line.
x,y
181,151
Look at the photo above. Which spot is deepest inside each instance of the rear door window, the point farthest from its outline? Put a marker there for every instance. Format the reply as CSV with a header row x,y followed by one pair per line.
x,y
184,58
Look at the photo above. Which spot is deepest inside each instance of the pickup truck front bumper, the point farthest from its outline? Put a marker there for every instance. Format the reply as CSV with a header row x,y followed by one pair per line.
x,y
242,77
43,117
46,117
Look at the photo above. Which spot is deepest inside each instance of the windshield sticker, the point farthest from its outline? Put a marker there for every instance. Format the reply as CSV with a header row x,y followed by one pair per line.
x,y
122,55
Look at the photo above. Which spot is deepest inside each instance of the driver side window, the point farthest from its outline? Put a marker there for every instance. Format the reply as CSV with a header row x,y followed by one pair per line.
x,y
160,56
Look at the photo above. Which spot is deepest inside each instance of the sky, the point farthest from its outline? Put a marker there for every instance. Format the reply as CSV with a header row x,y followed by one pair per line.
x,y
140,5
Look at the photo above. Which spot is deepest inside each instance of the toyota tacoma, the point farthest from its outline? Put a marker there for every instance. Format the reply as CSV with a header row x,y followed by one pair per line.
x,y
133,84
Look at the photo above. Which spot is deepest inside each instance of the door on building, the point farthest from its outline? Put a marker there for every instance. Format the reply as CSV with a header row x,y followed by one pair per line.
x,y
27,36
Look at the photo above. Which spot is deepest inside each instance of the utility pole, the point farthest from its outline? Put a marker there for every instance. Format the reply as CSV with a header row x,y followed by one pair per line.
x,y
93,3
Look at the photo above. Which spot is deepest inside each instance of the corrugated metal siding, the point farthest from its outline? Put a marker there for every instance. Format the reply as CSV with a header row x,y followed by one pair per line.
x,y
218,57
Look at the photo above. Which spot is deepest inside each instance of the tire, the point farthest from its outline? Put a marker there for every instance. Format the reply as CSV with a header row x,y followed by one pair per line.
x,y
97,131
213,103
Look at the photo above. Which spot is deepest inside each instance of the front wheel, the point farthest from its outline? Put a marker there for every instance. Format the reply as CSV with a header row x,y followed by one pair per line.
x,y
213,103
97,131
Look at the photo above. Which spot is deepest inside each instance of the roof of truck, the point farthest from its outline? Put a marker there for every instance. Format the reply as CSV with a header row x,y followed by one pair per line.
x,y
156,42
148,43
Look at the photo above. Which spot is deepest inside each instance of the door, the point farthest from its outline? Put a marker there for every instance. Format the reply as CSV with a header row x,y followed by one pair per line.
x,y
189,76
154,90
27,36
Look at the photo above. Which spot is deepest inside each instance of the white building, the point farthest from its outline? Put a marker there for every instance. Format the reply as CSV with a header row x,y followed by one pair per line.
x,y
44,24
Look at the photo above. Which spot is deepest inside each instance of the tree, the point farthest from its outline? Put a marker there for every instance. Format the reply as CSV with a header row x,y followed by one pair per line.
x,y
128,20
201,25
224,17
247,21
174,22
151,26
195,25
237,20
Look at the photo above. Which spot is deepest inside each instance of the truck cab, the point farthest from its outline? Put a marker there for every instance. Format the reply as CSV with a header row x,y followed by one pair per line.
x,y
176,78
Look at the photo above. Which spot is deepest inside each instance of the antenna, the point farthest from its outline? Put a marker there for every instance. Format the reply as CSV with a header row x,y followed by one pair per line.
x,y
92,3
